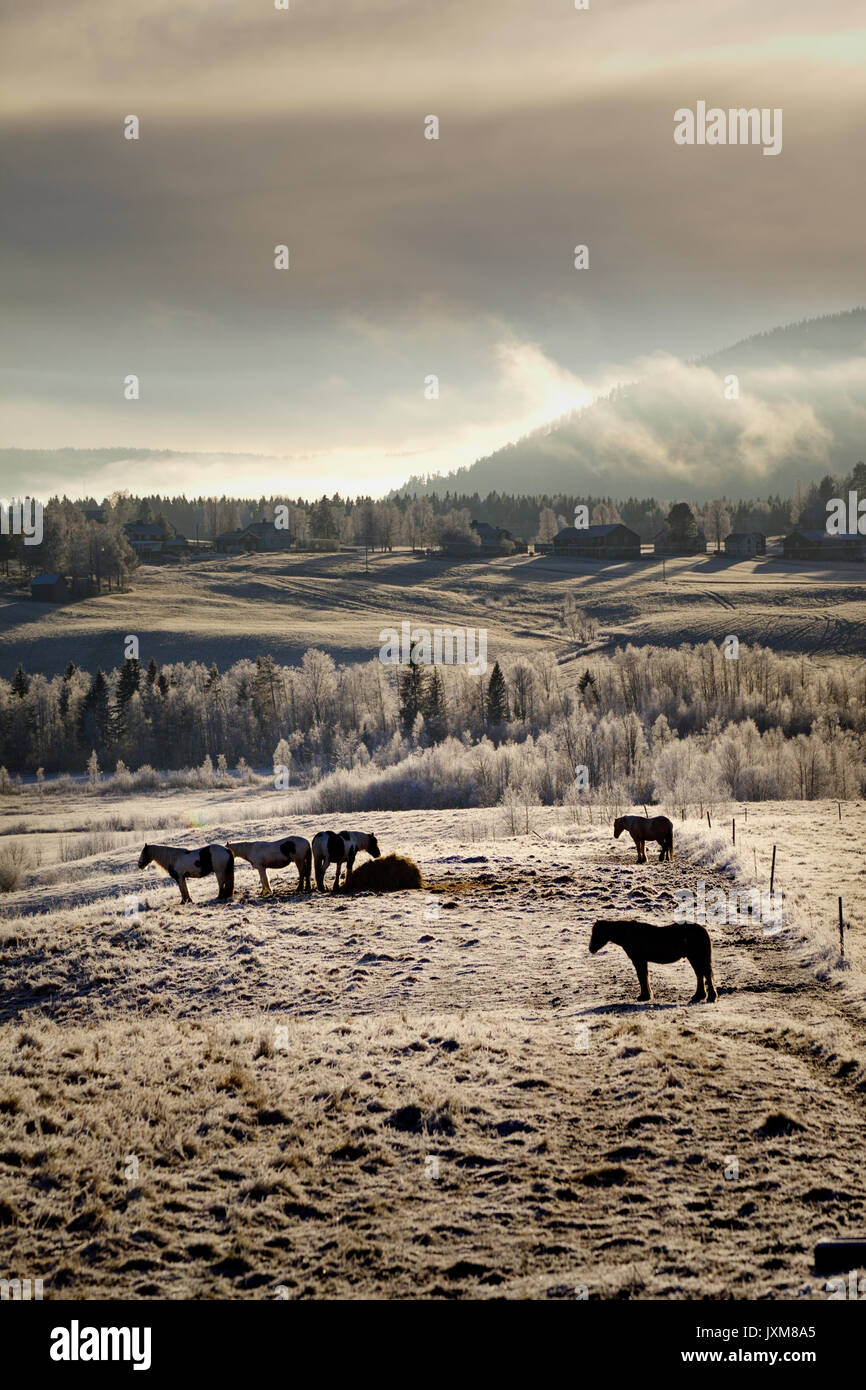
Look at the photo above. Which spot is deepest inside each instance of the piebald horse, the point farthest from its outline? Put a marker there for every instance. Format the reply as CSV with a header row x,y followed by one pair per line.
x,y
644,943
657,828
277,854
181,864
339,849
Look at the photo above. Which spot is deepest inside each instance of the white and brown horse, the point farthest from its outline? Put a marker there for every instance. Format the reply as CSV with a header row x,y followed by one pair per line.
x,y
339,849
656,828
181,864
277,854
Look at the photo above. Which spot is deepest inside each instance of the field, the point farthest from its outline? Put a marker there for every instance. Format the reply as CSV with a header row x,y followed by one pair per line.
x,y
225,609
439,1094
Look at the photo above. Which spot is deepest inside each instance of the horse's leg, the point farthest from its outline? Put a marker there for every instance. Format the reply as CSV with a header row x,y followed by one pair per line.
x,y
642,970
700,993
350,860
321,866
184,891
300,867
641,851
337,876
263,875
712,992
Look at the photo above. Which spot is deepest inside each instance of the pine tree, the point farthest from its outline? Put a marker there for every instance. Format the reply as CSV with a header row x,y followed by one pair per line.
x,y
586,686
95,714
129,680
20,682
70,671
152,672
411,690
433,707
497,698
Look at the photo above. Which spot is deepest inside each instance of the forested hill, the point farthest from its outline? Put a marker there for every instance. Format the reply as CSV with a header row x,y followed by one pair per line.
x,y
681,427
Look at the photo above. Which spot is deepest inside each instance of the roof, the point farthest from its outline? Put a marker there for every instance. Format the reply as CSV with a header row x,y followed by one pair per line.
x,y
46,578
147,529
592,533
744,535
823,537
257,528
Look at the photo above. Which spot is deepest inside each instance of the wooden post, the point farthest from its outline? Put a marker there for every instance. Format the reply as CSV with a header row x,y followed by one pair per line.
x,y
841,932
755,858
773,871
709,822
683,812
733,831
839,804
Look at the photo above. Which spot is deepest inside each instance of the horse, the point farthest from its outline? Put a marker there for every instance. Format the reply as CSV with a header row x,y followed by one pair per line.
x,y
340,848
276,854
181,864
643,943
657,828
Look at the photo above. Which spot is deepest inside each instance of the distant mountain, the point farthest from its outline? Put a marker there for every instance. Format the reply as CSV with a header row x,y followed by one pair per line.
x,y
796,411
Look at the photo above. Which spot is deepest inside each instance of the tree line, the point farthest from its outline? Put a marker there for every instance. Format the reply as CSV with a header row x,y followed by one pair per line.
x,y
639,719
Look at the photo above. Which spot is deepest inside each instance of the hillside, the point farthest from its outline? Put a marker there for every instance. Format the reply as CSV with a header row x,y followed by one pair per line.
x,y
226,610
802,392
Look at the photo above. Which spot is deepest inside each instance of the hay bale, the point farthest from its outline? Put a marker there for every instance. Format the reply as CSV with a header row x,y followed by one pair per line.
x,y
390,874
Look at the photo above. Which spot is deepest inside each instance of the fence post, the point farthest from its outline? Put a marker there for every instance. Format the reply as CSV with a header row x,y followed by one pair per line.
x,y
841,932
733,831
773,871
709,822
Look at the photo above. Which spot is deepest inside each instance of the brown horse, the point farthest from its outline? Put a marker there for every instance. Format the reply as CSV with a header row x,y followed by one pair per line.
x,y
643,942
657,828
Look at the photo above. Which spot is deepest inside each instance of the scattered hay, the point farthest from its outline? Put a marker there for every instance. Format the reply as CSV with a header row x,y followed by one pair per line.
x,y
391,874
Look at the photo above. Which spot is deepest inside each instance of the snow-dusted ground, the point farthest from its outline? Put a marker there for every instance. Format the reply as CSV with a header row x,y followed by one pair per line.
x,y
431,1094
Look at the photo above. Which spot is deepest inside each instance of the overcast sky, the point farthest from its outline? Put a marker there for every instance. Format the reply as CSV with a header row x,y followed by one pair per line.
x,y
409,257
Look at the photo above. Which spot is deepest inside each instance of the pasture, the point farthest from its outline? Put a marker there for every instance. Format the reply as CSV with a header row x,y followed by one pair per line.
x,y
224,610
432,1094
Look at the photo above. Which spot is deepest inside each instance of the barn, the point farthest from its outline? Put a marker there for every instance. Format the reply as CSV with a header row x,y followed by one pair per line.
x,y
741,545
609,542
804,544
49,588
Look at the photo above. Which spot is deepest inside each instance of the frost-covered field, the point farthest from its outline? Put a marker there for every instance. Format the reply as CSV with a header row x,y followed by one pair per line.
x,y
431,1094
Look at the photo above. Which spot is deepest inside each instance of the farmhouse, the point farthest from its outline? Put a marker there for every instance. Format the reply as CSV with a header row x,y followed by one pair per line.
x,y
804,544
49,588
145,537
233,543
742,544
259,535
612,541
666,543
267,536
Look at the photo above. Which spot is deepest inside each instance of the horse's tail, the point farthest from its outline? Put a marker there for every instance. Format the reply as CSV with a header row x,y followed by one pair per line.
x,y
319,861
227,878
671,843
308,866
